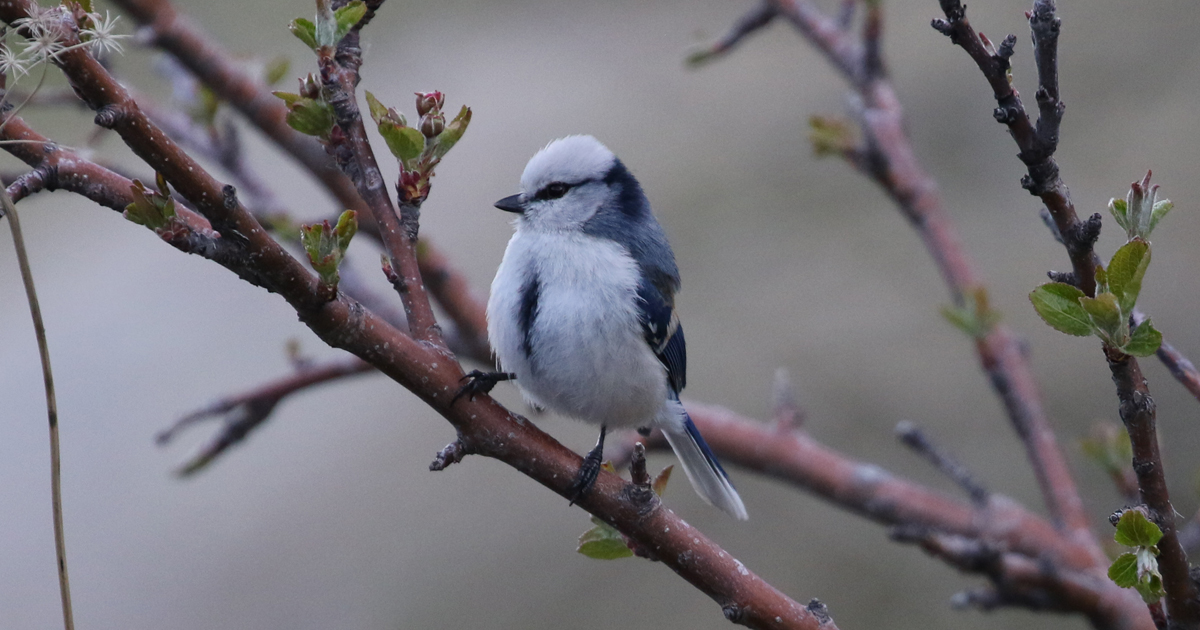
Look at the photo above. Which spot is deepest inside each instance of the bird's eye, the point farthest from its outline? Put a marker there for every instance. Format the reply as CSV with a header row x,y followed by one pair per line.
x,y
554,190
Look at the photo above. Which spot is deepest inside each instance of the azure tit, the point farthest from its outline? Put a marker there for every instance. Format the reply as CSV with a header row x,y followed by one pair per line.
x,y
582,310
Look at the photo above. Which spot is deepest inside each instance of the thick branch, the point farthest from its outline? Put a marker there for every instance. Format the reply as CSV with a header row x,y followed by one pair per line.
x,y
484,426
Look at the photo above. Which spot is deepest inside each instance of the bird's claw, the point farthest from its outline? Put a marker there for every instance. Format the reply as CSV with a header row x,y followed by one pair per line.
x,y
480,383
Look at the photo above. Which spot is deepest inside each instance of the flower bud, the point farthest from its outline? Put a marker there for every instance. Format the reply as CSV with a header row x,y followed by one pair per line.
x,y
310,86
429,102
432,124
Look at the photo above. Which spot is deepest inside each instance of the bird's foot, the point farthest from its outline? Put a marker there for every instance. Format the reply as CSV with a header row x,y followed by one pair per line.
x,y
586,477
481,383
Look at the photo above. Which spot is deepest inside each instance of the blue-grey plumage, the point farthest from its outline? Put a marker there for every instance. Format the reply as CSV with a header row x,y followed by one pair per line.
x,y
582,309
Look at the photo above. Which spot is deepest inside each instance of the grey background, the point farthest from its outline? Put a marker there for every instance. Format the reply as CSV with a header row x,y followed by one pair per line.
x,y
328,516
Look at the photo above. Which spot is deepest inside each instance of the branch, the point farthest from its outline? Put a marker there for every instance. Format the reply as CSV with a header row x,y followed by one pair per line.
x,y
39,328
208,61
245,412
484,427
1138,414
1064,565
888,159
1038,144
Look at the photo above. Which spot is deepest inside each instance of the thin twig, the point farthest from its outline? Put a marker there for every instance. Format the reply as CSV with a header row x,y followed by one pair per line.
x,y
1037,144
912,437
39,328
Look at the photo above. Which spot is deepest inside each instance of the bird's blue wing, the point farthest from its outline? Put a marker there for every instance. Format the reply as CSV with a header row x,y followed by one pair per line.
x,y
663,332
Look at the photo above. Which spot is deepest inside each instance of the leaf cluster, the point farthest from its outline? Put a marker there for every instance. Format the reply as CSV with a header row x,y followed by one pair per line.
x,y
326,245
1138,569
1107,316
152,208
412,148
329,26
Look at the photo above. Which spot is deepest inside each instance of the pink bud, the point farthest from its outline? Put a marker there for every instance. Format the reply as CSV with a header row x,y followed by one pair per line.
x,y
429,101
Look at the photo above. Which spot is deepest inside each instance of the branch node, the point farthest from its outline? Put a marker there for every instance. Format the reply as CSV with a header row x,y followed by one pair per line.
x,y
819,610
452,454
733,613
1065,277
109,116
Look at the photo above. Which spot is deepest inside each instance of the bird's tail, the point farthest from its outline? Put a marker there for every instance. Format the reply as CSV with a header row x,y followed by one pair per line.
x,y
701,466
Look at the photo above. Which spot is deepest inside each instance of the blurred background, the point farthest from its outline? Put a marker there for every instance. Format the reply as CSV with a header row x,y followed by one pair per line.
x,y
328,517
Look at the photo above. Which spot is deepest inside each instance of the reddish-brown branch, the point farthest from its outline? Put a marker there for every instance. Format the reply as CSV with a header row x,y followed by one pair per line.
x,y
208,61
889,160
1138,413
247,411
793,456
484,426
1180,367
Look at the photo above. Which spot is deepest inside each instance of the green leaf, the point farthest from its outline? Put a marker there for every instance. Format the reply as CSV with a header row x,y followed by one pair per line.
x,y
1120,211
378,110
451,134
405,143
1058,305
1106,316
660,482
1109,445
1144,341
1101,279
150,208
603,542
1125,273
305,31
288,98
276,70
347,16
1135,530
1123,570
1149,584
310,116
1159,211
347,227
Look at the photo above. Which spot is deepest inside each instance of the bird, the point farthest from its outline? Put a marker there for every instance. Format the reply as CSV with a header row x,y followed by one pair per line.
x,y
582,311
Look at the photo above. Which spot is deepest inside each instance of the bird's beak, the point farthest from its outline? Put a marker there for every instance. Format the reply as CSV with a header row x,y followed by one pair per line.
x,y
511,203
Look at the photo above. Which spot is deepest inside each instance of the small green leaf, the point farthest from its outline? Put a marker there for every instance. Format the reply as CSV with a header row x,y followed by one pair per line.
x,y
326,28
1135,530
1101,279
1106,317
1123,570
603,542
1058,305
347,227
451,134
660,482
305,31
405,143
1144,341
975,317
830,135
1149,584
150,208
287,97
309,116
1120,211
378,110
1125,273
347,16
276,70
1159,211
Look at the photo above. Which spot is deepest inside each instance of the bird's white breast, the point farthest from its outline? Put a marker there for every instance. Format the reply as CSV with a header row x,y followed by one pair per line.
x,y
587,358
